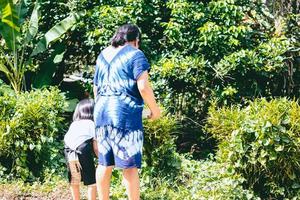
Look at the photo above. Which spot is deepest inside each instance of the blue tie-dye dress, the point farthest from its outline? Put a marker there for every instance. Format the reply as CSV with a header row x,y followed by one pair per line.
x,y
118,108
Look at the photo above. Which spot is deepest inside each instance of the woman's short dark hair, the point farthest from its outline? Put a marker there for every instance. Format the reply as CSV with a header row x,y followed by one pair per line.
x,y
125,33
84,110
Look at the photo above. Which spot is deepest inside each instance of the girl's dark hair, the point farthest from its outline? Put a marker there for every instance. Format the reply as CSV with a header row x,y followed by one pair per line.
x,y
125,33
84,110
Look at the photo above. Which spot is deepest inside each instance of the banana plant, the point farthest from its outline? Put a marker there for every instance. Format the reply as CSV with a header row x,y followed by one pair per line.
x,y
19,35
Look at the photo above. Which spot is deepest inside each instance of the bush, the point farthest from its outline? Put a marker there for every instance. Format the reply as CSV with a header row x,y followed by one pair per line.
x,y
212,180
221,121
181,83
5,89
196,180
161,159
30,124
168,175
261,143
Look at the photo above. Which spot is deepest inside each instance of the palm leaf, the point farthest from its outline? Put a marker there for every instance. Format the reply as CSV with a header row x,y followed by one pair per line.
x,y
11,18
55,33
33,23
4,69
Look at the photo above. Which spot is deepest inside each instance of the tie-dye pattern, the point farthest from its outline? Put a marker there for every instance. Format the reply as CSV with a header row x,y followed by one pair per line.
x,y
118,109
119,147
118,101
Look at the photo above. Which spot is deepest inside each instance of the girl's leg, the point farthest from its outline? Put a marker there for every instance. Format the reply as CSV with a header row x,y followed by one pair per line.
x,y
132,183
75,179
103,176
92,192
75,191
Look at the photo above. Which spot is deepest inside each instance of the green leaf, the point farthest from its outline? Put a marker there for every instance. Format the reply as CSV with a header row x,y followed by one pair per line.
x,y
6,89
285,121
296,186
38,147
55,33
268,124
266,142
10,25
273,155
33,23
43,138
279,148
291,174
262,161
285,139
263,153
58,58
47,69
31,146
3,68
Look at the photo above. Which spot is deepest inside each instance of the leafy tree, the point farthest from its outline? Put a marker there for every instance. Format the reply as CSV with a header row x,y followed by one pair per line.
x,y
20,42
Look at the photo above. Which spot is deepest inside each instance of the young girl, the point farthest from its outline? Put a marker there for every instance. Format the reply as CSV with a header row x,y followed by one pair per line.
x,y
80,142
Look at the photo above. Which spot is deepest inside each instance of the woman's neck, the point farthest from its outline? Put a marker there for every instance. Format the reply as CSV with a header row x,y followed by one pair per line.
x,y
133,43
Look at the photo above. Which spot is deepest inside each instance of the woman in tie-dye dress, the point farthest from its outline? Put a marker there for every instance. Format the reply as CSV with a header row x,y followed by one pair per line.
x,y
121,86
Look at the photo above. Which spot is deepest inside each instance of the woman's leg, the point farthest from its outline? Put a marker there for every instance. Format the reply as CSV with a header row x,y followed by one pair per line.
x,y
92,192
132,183
75,191
103,176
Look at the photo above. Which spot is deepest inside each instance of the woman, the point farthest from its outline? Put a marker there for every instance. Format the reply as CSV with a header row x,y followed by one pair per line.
x,y
120,86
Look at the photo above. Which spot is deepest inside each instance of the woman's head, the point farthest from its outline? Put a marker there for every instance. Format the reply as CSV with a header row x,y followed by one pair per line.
x,y
126,33
84,110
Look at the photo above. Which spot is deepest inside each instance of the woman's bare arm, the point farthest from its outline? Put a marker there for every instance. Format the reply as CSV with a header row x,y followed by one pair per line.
x,y
95,91
148,95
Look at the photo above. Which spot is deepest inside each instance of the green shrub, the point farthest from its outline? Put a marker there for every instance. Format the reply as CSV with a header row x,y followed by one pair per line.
x,y
186,77
221,121
161,158
5,89
261,142
196,180
30,124
213,180
168,175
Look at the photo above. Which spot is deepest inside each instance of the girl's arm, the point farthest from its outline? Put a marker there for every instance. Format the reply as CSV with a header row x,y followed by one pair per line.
x,y
148,95
95,147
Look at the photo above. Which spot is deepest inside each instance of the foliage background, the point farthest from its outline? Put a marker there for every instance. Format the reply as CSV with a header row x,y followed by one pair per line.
x,y
212,60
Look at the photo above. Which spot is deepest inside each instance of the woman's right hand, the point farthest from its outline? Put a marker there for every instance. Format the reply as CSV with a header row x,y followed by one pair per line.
x,y
155,114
